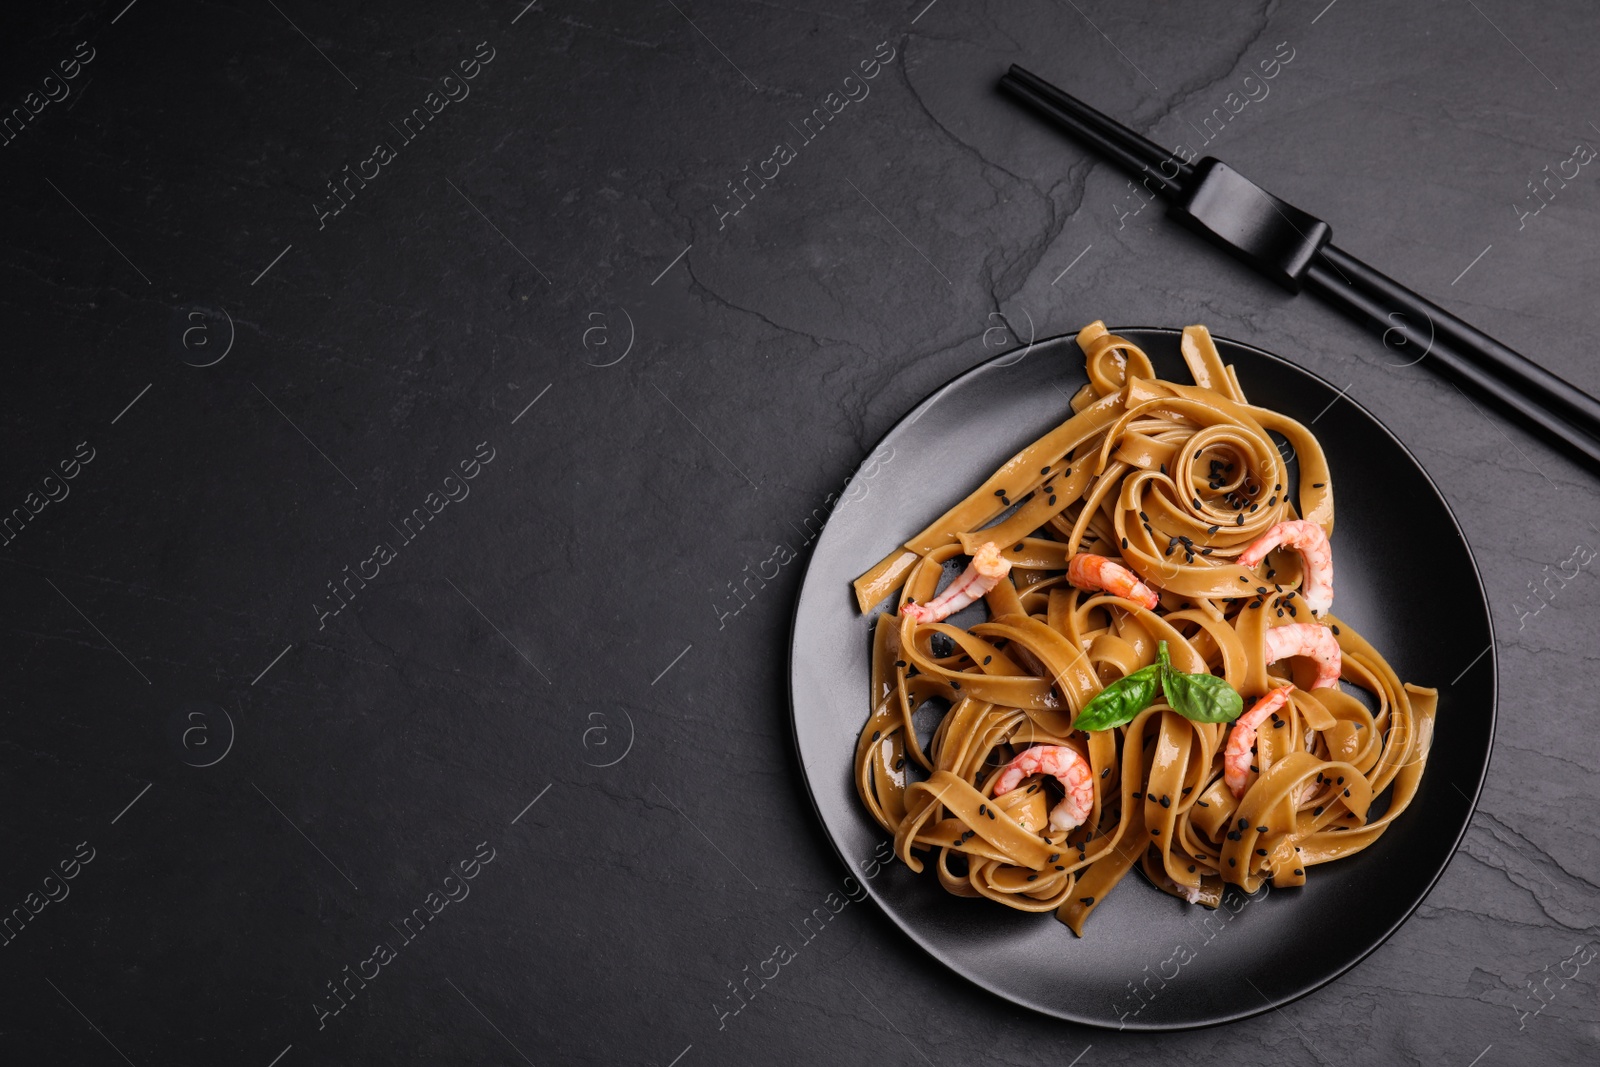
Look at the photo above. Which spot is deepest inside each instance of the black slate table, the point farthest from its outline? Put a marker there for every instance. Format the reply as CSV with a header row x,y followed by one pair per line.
x,y
405,406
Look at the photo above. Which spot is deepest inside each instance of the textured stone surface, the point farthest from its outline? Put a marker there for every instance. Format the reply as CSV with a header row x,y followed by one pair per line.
x,y
577,601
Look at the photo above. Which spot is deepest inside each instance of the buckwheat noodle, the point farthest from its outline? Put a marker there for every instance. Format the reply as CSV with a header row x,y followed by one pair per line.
x,y
1173,481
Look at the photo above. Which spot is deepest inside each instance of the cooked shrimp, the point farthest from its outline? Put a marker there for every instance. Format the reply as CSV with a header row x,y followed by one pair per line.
x,y
1065,766
1311,542
1242,740
988,566
1307,639
1088,571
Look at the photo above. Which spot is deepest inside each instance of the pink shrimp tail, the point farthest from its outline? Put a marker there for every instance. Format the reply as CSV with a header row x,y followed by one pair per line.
x,y
1065,765
1242,739
985,571
1311,541
1089,571
1307,639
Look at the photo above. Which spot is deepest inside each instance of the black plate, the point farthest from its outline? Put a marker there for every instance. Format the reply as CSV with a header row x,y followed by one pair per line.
x,y
1391,528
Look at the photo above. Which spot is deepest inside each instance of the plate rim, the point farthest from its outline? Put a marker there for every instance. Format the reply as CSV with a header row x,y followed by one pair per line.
x,y
1269,1004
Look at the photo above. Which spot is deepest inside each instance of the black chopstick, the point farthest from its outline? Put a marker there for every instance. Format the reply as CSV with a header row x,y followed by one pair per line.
x,y
1120,152
1291,246
1025,84
1550,389
1363,306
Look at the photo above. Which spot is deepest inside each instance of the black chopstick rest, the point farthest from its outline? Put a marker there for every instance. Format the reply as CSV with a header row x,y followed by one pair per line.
x,y
1271,235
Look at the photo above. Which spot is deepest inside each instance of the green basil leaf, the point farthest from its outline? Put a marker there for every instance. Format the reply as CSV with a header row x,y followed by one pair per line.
x,y
1119,702
1201,697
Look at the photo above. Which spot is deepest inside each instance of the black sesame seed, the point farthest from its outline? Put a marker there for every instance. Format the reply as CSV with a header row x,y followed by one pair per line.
x,y
875,734
1271,500
1086,900
1142,515
1166,801
1017,549
1280,723
1006,501
1124,544
1155,833
1240,522
1244,578
1317,810
955,685
1231,863
1340,780
1197,453
1243,823
901,762
986,660
1031,877
1053,857
982,808
1105,773
1256,604
1347,792
899,663
1138,796
1280,613
1335,630
1261,852
1188,789
1292,612
1059,867
1213,529
999,492
1044,470
1197,503
1318,485
1202,803
1234,835
1299,872
1261,589
1261,829
1052,500
1254,506
1191,868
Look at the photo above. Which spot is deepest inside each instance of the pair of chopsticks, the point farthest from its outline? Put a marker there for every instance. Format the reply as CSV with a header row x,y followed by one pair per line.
x,y
1294,248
